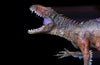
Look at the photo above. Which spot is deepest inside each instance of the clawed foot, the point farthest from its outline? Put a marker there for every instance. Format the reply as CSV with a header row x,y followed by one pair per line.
x,y
67,53
63,54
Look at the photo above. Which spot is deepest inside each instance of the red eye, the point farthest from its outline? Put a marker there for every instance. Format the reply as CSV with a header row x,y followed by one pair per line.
x,y
47,12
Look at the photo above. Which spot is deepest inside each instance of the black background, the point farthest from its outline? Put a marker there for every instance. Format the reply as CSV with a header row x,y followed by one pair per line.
x,y
40,48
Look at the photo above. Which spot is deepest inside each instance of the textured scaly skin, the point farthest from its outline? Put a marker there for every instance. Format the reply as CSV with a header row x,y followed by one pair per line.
x,y
82,35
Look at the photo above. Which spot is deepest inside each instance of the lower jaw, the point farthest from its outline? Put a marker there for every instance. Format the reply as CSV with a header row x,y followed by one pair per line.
x,y
38,30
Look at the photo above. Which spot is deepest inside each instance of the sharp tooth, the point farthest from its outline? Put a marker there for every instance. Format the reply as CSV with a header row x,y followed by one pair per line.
x,y
33,9
30,30
38,13
35,12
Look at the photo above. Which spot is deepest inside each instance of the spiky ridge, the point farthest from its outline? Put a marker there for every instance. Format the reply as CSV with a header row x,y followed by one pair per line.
x,y
65,21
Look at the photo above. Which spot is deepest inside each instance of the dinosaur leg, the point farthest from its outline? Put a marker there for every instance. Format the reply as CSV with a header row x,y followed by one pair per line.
x,y
98,44
84,46
67,53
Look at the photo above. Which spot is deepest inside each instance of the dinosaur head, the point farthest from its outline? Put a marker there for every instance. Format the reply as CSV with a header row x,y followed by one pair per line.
x,y
41,11
45,13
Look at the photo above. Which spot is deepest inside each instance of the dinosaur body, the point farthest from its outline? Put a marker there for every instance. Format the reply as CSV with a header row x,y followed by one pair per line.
x,y
82,35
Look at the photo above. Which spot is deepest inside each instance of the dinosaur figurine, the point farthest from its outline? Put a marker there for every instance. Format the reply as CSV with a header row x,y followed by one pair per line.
x,y
84,35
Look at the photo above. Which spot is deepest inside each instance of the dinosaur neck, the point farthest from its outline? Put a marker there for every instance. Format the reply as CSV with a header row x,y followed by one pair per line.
x,y
61,21
63,26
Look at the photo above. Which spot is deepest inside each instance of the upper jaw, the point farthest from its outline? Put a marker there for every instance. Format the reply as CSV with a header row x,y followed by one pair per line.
x,y
33,10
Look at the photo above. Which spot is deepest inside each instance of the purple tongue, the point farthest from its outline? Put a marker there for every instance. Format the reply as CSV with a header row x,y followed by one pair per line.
x,y
46,21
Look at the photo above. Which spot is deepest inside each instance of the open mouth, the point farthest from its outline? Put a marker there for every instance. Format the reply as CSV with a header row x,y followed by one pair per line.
x,y
45,21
